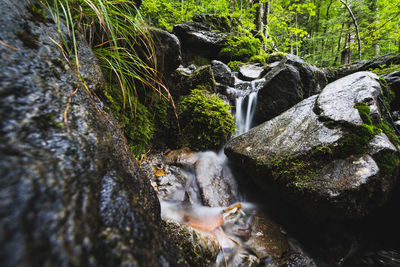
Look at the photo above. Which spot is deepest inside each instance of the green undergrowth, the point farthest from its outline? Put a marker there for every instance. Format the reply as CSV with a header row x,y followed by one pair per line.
x,y
123,44
241,48
206,121
136,123
385,69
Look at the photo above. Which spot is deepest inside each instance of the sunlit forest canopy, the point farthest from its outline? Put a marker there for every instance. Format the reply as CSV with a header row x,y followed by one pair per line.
x,y
324,32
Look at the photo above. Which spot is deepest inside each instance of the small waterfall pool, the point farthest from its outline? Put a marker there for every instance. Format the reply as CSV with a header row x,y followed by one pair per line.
x,y
210,196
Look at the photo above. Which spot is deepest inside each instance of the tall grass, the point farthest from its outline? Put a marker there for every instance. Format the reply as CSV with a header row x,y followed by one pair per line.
x,y
121,41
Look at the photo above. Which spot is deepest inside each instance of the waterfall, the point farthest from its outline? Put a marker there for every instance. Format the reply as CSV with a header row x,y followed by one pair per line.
x,y
244,115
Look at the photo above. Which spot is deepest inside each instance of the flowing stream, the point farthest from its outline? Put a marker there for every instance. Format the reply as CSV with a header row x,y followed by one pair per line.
x,y
212,192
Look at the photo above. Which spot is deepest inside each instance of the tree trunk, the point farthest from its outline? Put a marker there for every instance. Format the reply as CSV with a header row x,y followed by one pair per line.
x,y
356,26
266,25
259,17
339,45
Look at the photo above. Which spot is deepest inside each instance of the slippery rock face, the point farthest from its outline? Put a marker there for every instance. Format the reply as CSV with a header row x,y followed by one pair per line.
x,y
250,72
67,198
222,73
281,91
315,155
287,83
168,51
200,248
336,101
198,39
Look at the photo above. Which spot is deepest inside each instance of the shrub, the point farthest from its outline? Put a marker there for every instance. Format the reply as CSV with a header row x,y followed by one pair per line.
x,y
235,65
206,121
241,48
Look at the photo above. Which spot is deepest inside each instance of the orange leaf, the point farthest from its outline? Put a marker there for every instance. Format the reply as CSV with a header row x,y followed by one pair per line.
x,y
206,224
158,172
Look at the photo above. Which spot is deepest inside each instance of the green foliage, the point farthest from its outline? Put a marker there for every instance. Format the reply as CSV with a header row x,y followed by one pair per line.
x,y
259,59
206,121
388,164
139,130
122,42
235,65
364,111
385,69
241,48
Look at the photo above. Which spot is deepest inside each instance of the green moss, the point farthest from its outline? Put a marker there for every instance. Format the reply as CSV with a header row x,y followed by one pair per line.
x,y
137,124
235,65
203,77
206,121
384,69
388,164
258,59
241,48
37,12
28,39
295,171
364,111
199,61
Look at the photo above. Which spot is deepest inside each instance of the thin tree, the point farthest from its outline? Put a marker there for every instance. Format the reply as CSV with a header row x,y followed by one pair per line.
x,y
356,26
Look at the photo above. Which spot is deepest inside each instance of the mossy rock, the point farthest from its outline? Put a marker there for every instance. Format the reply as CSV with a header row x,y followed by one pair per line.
x,y
206,121
135,120
202,77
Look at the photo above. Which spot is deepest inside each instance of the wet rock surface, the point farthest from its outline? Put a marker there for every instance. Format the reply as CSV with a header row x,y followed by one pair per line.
x,y
284,153
198,39
287,82
71,198
222,72
337,100
168,51
250,72
195,178
200,248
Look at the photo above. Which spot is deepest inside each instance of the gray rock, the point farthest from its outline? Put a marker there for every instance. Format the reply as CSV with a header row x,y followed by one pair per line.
x,y
250,72
312,78
198,39
337,100
222,73
287,83
319,163
200,248
215,181
282,90
168,51
72,198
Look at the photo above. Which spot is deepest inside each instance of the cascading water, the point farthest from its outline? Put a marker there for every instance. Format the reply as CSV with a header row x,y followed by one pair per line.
x,y
208,189
244,119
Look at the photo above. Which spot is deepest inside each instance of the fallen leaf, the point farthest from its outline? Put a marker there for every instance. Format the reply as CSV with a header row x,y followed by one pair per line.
x,y
158,172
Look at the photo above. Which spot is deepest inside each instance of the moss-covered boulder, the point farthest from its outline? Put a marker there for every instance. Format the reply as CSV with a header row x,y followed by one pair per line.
x,y
329,155
206,121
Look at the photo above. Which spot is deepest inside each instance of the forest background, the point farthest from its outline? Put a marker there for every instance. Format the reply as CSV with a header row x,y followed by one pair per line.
x,y
323,32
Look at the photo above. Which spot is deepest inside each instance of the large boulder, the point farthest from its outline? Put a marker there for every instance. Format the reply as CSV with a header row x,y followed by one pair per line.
x,y
328,155
69,196
168,51
222,72
282,90
287,83
198,41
